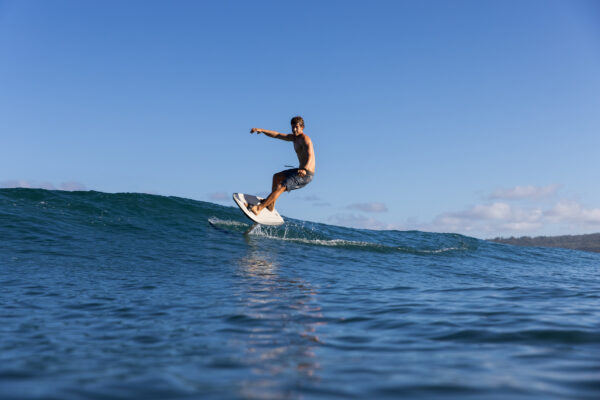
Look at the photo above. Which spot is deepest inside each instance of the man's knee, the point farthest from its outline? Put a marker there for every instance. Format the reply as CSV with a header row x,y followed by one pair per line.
x,y
278,183
278,186
278,178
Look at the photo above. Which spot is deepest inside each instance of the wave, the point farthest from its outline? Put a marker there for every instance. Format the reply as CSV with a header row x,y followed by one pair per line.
x,y
50,215
53,214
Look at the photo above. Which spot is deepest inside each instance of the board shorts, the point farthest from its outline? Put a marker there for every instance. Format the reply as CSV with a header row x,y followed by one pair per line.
x,y
293,180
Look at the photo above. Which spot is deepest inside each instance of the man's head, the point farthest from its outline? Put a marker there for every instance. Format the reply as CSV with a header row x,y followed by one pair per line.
x,y
297,120
297,125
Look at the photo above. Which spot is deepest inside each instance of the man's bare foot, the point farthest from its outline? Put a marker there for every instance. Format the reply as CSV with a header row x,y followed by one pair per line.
x,y
254,209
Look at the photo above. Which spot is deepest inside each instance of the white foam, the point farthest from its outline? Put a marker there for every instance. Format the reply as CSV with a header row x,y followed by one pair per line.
x,y
322,242
436,251
217,221
265,232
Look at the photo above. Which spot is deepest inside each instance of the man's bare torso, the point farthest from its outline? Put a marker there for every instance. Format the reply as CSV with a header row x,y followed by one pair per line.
x,y
303,148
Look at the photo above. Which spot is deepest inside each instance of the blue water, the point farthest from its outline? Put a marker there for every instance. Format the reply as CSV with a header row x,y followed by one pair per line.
x,y
121,296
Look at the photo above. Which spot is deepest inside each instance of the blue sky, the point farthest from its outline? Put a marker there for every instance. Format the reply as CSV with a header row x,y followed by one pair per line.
x,y
453,116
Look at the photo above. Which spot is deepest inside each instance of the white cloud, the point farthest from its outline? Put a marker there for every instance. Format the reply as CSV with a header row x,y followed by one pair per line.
x,y
15,184
219,196
479,220
521,226
507,217
500,218
368,207
572,212
311,197
525,192
487,219
488,211
316,201
67,186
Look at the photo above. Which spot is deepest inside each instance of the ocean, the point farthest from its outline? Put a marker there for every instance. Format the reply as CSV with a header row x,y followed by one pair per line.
x,y
137,296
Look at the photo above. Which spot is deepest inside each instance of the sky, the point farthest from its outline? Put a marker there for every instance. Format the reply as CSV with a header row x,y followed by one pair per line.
x,y
475,117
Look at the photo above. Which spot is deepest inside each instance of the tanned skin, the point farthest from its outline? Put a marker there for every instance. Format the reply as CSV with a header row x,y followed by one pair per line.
x,y
306,157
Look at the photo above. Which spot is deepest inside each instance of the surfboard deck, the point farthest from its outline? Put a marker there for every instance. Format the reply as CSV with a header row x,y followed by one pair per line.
x,y
265,217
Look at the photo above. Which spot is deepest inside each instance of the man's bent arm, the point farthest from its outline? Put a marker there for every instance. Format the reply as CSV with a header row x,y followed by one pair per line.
x,y
274,134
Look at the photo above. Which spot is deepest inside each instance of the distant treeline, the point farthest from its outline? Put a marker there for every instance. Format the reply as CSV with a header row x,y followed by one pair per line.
x,y
576,242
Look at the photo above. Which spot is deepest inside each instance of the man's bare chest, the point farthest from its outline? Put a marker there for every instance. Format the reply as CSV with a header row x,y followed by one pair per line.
x,y
300,146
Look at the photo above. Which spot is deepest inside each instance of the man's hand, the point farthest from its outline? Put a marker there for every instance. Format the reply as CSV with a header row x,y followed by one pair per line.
x,y
301,172
255,130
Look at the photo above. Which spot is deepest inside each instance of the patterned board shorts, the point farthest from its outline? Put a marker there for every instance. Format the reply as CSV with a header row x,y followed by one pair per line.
x,y
294,181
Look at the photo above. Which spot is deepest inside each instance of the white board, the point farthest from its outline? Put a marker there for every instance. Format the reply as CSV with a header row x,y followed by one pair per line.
x,y
265,217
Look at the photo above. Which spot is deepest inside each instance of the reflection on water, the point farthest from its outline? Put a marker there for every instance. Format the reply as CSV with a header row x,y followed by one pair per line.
x,y
281,316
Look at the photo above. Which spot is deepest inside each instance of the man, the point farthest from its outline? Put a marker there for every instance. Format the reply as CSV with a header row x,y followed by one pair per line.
x,y
290,179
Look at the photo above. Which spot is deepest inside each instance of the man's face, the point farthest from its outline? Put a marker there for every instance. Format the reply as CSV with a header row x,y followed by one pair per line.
x,y
297,129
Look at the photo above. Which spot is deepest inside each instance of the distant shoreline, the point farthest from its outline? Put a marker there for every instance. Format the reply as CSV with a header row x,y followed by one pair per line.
x,y
589,242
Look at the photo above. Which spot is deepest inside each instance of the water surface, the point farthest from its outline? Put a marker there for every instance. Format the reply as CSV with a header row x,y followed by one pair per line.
x,y
110,296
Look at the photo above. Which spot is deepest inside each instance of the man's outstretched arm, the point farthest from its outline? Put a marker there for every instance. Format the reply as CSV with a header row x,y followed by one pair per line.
x,y
277,135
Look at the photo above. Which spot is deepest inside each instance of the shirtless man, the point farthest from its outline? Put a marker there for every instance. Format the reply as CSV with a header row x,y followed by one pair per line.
x,y
290,179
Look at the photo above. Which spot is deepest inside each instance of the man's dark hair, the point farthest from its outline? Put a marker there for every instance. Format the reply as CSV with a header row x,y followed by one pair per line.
x,y
296,120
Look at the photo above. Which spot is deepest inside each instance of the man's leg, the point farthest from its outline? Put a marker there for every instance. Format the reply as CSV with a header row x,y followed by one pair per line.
x,y
277,179
269,201
277,189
